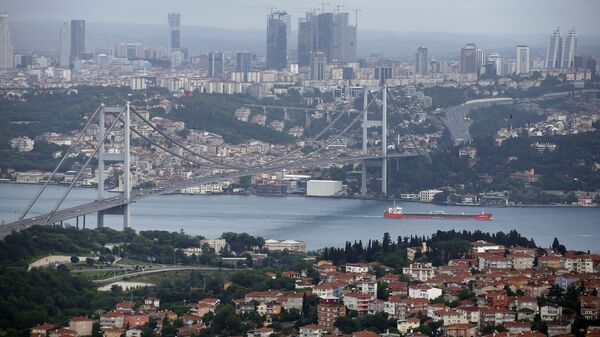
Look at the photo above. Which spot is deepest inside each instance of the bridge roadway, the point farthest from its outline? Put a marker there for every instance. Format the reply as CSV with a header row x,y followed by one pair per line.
x,y
113,202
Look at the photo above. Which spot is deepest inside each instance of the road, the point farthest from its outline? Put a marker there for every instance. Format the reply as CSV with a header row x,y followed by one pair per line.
x,y
164,269
456,116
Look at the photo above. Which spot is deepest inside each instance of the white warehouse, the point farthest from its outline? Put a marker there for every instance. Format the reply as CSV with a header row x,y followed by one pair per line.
x,y
323,188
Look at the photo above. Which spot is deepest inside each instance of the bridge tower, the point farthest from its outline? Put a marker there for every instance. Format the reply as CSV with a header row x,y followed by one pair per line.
x,y
373,123
124,157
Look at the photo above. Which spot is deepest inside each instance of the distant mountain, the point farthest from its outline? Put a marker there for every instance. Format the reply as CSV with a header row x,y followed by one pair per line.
x,y
44,36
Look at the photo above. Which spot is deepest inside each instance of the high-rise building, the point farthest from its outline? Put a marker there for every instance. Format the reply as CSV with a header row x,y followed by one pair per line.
x,y
554,54
480,57
468,59
586,62
496,59
6,54
422,61
130,50
77,39
328,310
216,60
570,49
522,60
277,28
318,65
174,38
64,45
329,33
243,62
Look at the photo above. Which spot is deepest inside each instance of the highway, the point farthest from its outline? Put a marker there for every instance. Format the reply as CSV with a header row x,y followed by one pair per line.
x,y
113,202
458,125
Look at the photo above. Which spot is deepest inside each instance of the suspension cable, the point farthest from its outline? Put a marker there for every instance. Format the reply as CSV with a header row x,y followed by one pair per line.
x,y
101,143
180,144
39,193
407,130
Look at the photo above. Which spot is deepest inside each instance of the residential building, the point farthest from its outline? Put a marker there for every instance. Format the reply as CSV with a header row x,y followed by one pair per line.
x,y
216,244
428,195
461,330
82,325
522,60
550,312
419,271
328,310
318,66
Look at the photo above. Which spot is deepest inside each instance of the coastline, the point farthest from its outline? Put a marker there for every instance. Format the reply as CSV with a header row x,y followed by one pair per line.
x,y
377,198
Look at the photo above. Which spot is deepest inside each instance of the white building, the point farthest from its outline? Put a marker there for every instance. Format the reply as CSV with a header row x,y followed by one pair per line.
x,y
291,245
522,60
428,195
6,54
323,188
22,144
217,244
419,271
424,291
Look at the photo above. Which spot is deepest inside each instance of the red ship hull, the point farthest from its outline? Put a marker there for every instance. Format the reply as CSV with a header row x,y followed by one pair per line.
x,y
482,216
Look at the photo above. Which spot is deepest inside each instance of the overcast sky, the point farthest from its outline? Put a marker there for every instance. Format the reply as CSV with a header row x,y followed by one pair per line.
x,y
455,16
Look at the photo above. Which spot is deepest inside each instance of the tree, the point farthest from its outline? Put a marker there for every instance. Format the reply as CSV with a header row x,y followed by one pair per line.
x,y
74,259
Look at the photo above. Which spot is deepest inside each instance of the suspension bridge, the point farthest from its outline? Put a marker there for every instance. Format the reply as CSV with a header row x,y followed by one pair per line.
x,y
121,204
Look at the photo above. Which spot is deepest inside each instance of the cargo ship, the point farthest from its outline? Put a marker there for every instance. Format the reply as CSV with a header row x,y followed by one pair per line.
x,y
397,213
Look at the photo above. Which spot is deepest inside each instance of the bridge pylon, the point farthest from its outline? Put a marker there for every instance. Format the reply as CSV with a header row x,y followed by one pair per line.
x,y
124,157
374,123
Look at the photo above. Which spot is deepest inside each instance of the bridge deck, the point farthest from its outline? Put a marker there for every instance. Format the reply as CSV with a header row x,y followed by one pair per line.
x,y
109,203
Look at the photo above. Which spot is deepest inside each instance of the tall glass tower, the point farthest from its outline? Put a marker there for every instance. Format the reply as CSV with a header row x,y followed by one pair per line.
x,y
174,42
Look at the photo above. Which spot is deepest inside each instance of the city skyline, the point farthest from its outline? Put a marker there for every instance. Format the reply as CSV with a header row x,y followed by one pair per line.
x,y
509,17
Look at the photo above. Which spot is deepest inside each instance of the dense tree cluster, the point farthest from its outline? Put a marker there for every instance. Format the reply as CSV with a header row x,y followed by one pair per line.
x,y
444,245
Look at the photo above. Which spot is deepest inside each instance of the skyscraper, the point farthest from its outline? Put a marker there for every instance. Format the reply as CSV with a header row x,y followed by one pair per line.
x,y
6,55
570,49
318,66
468,59
215,64
329,33
77,38
64,45
480,57
422,61
496,59
522,60
174,38
554,54
277,28
243,62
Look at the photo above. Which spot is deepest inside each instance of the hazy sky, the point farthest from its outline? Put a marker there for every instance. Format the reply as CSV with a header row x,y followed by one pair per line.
x,y
457,16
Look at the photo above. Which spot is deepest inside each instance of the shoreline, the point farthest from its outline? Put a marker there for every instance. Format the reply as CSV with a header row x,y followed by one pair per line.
x,y
376,198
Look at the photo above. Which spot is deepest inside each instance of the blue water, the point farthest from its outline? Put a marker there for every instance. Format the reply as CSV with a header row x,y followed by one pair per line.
x,y
318,221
